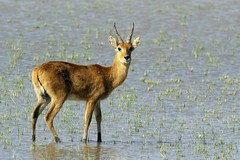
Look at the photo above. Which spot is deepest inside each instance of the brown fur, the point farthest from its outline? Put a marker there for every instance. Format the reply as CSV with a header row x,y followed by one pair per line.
x,y
57,81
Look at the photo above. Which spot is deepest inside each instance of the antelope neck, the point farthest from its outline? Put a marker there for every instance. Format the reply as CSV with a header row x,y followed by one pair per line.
x,y
118,72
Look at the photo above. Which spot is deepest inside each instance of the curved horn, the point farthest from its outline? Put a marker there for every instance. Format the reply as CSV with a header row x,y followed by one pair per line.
x,y
117,34
129,37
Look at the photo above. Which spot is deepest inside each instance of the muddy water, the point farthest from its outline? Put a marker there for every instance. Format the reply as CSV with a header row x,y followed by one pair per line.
x,y
180,99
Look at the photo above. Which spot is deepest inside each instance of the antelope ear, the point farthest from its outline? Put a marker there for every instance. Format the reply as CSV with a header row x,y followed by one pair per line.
x,y
136,42
112,41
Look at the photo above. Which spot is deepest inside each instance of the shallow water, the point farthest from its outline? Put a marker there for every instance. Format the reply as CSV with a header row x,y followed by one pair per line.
x,y
179,101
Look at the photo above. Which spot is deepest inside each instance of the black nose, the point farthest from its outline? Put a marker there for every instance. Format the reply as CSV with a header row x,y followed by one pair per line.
x,y
127,58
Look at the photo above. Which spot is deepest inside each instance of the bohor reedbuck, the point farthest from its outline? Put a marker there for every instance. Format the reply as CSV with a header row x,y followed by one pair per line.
x,y
57,81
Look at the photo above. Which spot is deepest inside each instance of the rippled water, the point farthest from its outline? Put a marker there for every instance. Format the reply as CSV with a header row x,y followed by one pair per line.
x,y
179,101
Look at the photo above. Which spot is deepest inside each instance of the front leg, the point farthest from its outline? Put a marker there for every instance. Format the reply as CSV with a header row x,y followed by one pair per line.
x,y
98,115
88,117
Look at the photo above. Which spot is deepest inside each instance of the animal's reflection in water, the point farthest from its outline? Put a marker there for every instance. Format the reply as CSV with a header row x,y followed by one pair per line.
x,y
58,151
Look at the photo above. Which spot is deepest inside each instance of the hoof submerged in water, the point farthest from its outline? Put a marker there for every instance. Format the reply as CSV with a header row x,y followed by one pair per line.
x,y
57,140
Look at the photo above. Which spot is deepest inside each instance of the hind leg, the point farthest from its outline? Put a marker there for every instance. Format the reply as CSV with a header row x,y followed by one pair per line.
x,y
56,105
41,104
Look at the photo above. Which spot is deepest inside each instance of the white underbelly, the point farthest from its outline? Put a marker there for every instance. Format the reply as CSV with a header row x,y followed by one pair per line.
x,y
74,97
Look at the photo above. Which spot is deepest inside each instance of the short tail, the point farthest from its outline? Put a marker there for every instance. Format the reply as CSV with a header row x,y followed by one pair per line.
x,y
44,93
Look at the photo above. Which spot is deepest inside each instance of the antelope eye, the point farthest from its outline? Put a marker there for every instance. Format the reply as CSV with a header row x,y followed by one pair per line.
x,y
131,49
119,49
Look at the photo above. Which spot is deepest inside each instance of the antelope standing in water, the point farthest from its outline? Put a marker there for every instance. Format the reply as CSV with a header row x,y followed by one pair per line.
x,y
57,81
